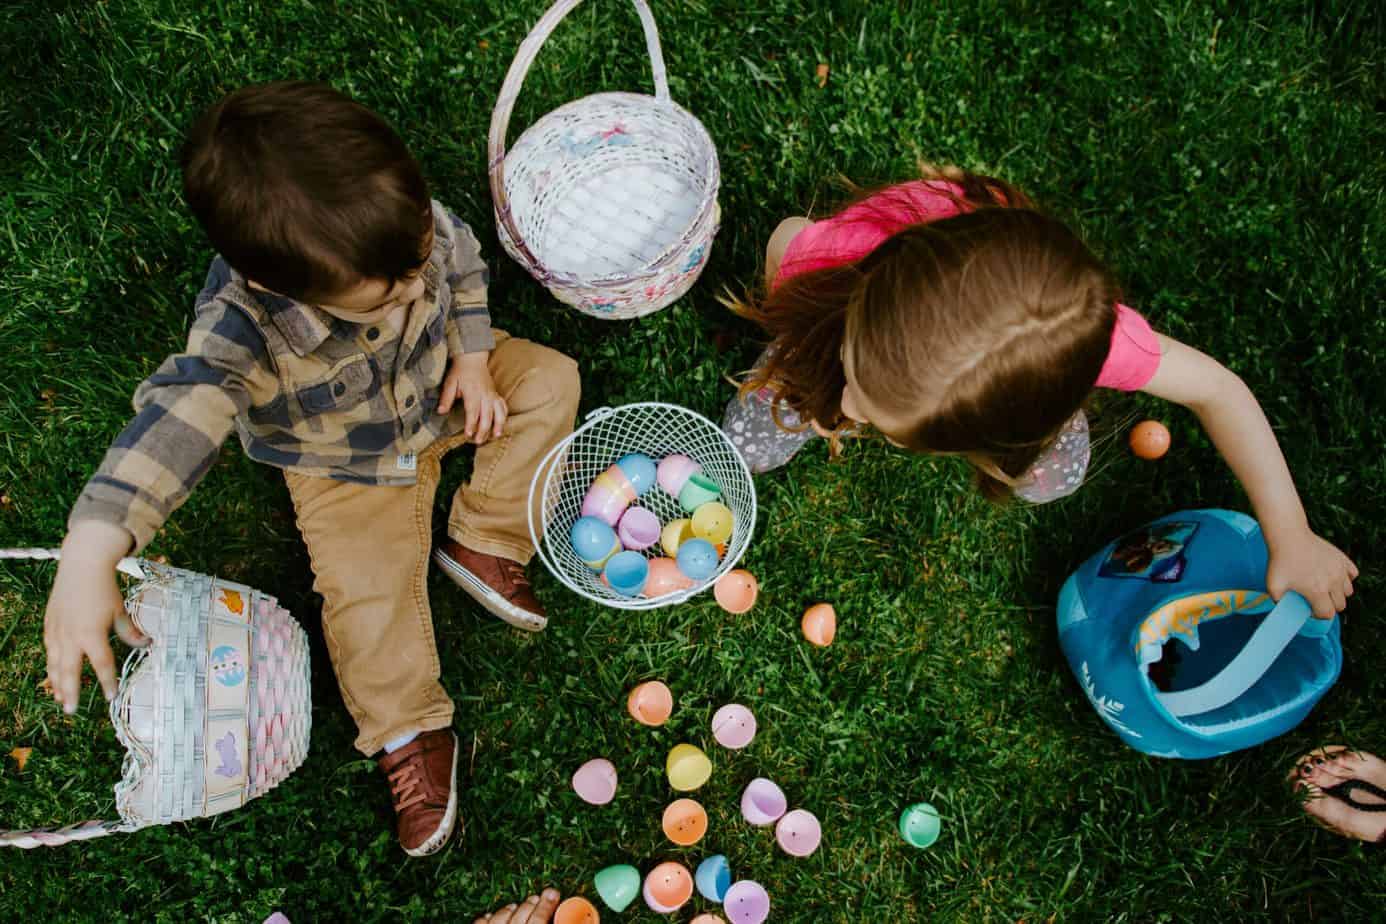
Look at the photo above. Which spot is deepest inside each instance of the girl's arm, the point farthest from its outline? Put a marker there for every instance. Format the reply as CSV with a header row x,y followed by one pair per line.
x,y
1299,559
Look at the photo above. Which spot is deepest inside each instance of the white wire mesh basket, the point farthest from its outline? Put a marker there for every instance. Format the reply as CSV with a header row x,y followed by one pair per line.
x,y
657,430
214,712
609,200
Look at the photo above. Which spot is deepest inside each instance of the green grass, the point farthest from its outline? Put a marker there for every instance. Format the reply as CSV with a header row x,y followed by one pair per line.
x,y
1228,163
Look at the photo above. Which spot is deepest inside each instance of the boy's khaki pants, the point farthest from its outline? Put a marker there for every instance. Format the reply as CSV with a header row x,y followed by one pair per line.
x,y
370,545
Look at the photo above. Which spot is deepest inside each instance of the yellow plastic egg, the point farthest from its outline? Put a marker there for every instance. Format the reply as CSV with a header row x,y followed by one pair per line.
x,y
675,534
688,767
713,522
820,624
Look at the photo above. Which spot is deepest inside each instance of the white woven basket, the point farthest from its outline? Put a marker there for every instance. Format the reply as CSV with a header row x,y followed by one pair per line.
x,y
214,712
565,474
610,200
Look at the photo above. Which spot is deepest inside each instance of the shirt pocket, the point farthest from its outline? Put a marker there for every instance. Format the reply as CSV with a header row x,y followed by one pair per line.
x,y
347,386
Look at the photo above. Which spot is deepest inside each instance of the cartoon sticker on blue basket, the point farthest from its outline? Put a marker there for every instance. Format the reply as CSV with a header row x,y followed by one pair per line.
x,y
1205,666
1154,553
228,666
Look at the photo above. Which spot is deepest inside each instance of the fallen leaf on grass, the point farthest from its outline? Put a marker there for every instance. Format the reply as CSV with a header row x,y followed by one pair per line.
x,y
21,757
822,75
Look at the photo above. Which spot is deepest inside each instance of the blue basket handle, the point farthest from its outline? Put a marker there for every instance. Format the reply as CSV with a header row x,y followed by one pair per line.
x,y
1291,617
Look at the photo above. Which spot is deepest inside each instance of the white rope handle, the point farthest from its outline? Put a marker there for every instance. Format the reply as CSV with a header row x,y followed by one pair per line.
x,y
510,91
82,830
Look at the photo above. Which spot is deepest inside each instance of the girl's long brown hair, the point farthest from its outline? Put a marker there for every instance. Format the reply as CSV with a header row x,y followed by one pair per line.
x,y
978,335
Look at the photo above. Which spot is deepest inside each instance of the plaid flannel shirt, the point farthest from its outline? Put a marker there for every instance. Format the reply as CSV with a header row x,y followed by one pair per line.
x,y
305,391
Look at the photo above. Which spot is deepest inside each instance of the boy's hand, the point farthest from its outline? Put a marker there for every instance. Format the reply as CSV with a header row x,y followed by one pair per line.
x,y
469,378
1314,567
84,604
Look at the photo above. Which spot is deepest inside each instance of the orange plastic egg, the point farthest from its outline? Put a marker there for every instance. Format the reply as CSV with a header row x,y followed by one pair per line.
x,y
668,887
685,822
708,919
576,910
1150,439
665,578
651,703
820,624
736,591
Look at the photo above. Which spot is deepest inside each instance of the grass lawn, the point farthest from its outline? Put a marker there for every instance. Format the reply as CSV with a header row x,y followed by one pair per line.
x,y
1228,163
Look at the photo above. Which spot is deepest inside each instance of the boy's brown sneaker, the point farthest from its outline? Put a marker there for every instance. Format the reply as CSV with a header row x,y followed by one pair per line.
x,y
498,584
423,788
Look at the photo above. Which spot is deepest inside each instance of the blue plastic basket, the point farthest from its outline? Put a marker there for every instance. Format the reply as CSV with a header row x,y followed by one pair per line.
x,y
1179,647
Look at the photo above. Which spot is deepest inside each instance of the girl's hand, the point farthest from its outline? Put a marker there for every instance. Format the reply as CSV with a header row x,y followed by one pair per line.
x,y
1312,566
469,378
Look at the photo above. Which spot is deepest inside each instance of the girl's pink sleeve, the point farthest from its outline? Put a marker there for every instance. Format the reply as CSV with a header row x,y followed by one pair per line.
x,y
1135,353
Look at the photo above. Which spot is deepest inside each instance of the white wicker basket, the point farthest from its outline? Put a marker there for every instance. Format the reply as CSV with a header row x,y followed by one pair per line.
x,y
610,200
213,712
565,474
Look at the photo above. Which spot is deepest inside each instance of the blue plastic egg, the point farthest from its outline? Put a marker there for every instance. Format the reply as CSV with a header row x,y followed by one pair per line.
x,y
594,542
640,469
627,573
713,878
697,559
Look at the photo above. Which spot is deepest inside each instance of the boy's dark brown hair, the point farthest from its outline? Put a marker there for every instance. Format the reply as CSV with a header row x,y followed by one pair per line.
x,y
305,191
978,335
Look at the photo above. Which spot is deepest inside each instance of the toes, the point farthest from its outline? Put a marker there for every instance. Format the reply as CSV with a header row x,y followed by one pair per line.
x,y
1319,774
547,903
1335,815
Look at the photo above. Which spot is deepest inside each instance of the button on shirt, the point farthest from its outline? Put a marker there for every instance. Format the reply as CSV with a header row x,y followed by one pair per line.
x,y
303,390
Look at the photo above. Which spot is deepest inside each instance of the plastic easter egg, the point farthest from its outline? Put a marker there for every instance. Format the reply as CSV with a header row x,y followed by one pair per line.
x,y
668,887
595,781
713,878
651,703
638,529
820,624
618,885
594,542
736,591
920,825
688,767
713,522
747,902
676,533
1150,439
674,471
640,471
799,833
626,573
706,918
733,726
665,578
762,802
576,910
609,496
684,822
697,491
697,559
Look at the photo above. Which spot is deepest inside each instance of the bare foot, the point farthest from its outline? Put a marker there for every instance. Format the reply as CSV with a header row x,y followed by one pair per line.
x,y
536,909
1326,768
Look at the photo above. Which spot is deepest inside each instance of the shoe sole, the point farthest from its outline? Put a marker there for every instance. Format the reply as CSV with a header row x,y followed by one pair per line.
x,y
491,601
440,837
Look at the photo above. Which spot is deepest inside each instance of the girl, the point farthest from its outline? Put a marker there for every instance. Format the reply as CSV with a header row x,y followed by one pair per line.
x,y
954,318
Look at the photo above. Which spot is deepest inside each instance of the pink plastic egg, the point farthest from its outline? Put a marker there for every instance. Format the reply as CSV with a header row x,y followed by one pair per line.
x,y
747,902
609,496
595,781
638,529
733,726
799,833
674,471
708,919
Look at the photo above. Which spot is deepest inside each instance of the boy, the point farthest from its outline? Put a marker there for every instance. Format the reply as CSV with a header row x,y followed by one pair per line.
x,y
344,334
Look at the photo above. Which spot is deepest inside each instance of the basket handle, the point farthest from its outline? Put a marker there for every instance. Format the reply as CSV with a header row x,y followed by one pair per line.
x,y
510,91
83,830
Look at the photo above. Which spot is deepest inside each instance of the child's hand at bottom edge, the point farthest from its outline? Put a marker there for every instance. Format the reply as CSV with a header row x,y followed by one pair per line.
x,y
537,909
1313,567
83,605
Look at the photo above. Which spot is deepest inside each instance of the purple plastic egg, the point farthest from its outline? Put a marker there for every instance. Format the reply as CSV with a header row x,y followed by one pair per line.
x,y
747,902
762,802
799,833
638,529
674,471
